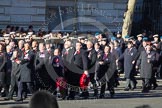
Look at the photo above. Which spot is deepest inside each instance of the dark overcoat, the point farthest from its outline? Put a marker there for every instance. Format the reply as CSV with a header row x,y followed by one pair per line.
x,y
145,67
129,56
3,60
26,67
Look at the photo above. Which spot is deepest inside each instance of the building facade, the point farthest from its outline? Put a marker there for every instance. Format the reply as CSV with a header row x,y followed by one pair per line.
x,y
22,12
65,15
148,17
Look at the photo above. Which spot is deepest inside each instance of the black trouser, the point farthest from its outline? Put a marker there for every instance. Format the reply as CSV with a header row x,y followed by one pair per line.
x,y
73,82
7,82
2,80
116,78
22,87
110,85
93,81
153,79
14,83
62,89
160,72
145,84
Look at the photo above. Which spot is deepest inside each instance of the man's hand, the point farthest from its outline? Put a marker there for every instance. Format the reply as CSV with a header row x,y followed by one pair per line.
x,y
148,61
133,61
101,62
86,72
99,55
137,67
18,62
117,61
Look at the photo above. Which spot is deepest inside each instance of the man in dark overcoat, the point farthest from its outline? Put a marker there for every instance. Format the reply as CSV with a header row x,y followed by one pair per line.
x,y
26,67
3,60
129,68
145,63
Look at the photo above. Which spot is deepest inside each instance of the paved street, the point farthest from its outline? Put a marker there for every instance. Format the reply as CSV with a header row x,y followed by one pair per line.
x,y
122,99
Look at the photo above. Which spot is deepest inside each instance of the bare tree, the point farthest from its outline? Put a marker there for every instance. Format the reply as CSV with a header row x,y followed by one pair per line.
x,y
128,18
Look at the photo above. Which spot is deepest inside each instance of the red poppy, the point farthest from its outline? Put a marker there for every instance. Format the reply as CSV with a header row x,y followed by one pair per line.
x,y
61,83
56,60
84,81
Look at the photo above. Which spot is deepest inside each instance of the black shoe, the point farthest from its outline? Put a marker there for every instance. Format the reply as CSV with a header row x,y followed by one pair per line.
x,y
102,96
19,100
126,89
95,95
155,86
145,91
3,94
64,98
118,84
86,95
81,95
112,94
7,98
25,96
135,84
70,98
132,89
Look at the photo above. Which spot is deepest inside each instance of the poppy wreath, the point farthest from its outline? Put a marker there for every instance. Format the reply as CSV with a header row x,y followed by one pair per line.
x,y
84,81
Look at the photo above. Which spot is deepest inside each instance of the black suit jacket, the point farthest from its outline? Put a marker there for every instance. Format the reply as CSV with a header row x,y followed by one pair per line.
x,y
92,56
15,69
69,54
80,59
26,66
102,69
39,59
3,60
